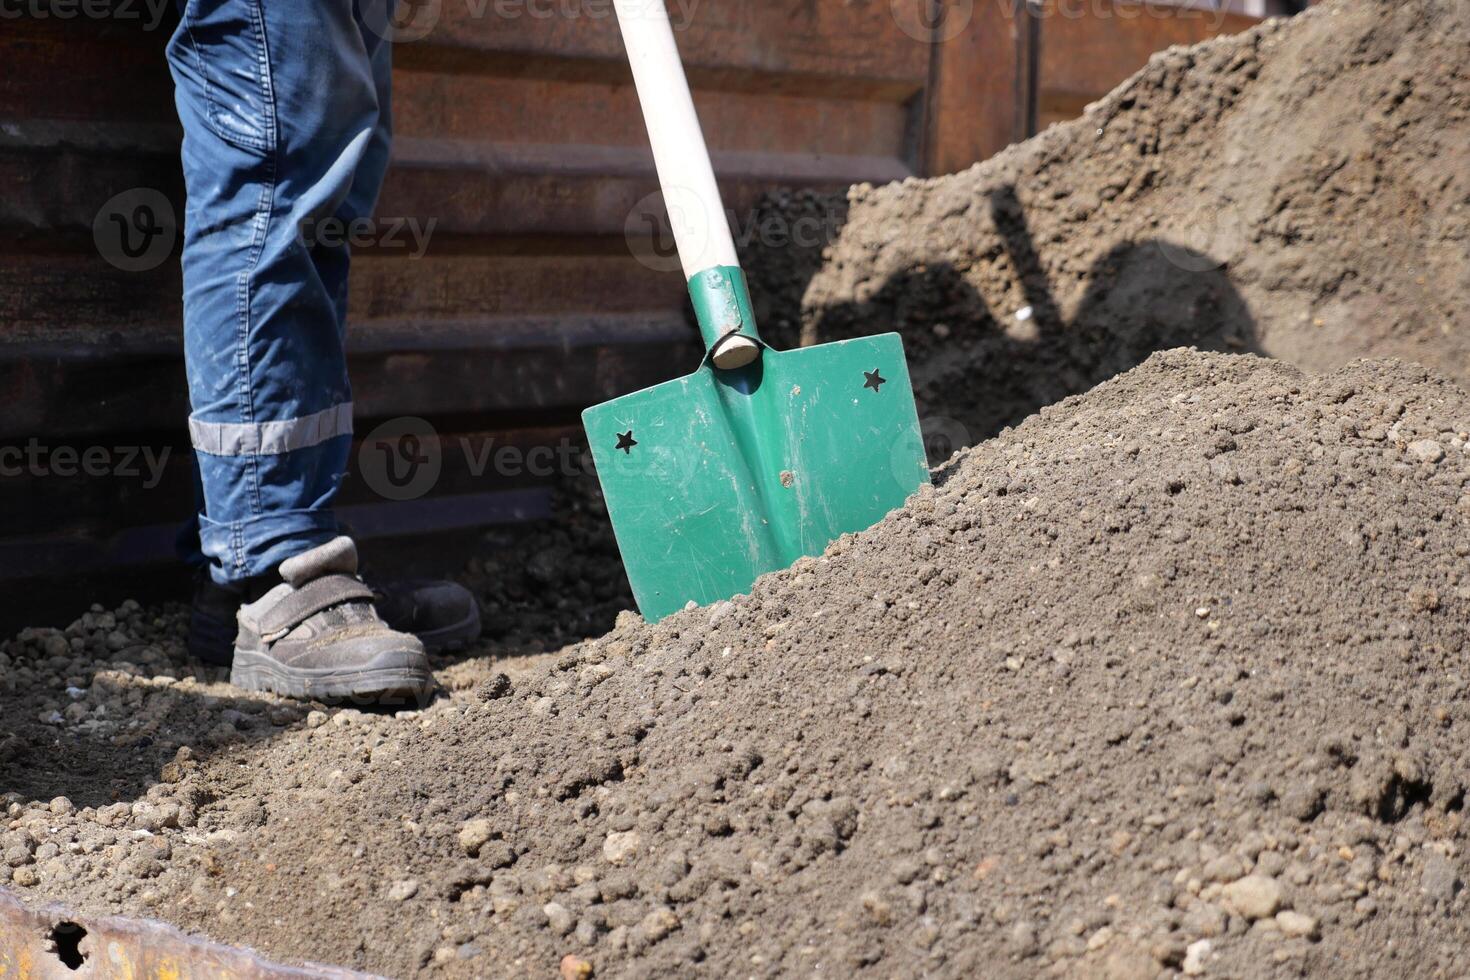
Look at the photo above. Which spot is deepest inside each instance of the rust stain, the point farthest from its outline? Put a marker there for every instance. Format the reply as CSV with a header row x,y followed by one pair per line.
x,y
118,948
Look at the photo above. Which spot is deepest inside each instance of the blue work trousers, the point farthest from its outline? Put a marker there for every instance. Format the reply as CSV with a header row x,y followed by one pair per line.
x,y
286,118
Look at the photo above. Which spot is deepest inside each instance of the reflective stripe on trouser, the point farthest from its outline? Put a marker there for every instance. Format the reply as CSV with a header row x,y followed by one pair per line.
x,y
285,110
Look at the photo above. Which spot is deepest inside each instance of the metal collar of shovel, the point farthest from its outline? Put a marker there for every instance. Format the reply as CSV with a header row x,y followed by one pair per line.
x,y
722,308
760,456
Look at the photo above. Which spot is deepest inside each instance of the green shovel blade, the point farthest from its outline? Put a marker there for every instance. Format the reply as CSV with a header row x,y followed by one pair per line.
x,y
716,478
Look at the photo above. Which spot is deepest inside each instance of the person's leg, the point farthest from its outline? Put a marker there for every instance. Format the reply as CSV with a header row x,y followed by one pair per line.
x,y
279,107
286,119
332,264
371,18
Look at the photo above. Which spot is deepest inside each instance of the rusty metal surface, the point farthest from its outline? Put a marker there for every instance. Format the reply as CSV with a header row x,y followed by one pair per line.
x,y
1085,50
1088,56
36,944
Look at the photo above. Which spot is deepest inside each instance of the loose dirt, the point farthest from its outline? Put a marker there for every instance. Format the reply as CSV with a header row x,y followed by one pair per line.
x,y
1170,677
1302,191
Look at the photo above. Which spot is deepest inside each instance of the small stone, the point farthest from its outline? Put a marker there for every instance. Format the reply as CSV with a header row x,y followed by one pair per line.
x,y
575,968
498,854
877,907
1295,925
1226,867
474,835
1303,800
905,870
1194,957
141,864
559,918
155,816
1023,939
1423,600
1438,880
315,719
458,933
594,674
620,846
1427,450
1253,897
496,687
658,924
402,891
25,877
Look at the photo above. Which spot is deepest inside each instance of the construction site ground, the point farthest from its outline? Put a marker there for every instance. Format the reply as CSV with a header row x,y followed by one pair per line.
x,y
1167,673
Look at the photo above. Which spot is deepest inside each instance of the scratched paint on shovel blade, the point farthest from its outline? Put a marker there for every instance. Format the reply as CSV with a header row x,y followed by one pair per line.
x,y
716,478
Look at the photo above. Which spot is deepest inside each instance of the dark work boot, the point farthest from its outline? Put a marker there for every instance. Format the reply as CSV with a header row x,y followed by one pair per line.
x,y
316,635
443,615
212,623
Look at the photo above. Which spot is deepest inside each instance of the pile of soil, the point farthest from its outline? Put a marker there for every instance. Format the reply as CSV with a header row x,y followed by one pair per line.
x,y
1171,676
1301,190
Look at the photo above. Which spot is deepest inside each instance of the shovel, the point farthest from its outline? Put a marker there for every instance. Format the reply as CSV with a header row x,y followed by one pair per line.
x,y
760,456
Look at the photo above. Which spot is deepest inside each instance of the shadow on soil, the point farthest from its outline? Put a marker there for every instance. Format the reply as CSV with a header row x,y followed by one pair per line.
x,y
40,761
540,586
977,370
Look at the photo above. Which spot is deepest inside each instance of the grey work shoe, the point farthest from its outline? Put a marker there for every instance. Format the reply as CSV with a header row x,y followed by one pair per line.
x,y
443,615
317,636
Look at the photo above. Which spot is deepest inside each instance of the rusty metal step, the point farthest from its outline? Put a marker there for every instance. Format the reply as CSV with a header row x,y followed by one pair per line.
x,y
51,942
